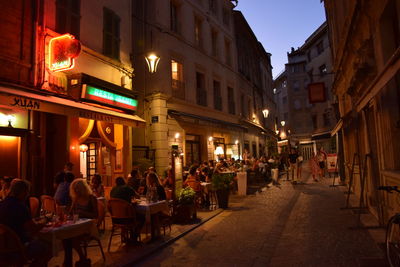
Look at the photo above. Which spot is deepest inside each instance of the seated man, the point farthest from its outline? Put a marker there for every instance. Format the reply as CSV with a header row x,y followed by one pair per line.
x,y
14,213
121,190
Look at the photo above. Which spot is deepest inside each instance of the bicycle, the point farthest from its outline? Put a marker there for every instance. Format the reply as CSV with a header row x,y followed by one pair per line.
x,y
392,233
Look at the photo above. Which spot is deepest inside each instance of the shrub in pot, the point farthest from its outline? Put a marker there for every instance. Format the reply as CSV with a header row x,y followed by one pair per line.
x,y
221,184
186,208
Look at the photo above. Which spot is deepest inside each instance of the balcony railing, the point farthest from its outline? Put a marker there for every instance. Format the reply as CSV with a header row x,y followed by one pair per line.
x,y
178,89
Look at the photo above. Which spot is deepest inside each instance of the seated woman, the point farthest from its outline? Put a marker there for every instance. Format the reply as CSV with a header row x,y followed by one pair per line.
x,y
153,183
84,203
192,180
97,186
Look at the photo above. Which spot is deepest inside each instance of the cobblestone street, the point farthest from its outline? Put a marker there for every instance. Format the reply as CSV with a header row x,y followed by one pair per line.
x,y
286,225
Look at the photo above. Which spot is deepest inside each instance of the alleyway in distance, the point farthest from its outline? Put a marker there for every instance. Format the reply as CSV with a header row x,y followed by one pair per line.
x,y
288,225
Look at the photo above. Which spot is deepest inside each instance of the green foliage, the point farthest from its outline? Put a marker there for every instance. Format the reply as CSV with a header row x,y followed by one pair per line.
x,y
143,164
222,180
187,196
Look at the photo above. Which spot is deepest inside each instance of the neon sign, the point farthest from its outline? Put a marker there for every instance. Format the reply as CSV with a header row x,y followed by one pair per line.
x,y
110,98
62,52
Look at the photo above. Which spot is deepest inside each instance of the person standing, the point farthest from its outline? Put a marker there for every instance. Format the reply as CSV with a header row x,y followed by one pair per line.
x,y
292,160
299,165
315,168
60,176
321,155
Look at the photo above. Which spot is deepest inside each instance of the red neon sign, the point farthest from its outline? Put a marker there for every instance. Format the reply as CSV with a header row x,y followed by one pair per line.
x,y
62,51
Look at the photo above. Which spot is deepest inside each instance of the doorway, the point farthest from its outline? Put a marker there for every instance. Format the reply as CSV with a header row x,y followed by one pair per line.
x,y
192,147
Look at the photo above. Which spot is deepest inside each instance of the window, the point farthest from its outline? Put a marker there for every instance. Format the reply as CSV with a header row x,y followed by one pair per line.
x,y
327,121
296,86
178,86
314,121
284,100
322,70
242,106
174,17
201,93
249,109
111,34
226,16
198,32
212,6
214,40
217,95
231,101
310,75
228,60
284,84
320,47
68,17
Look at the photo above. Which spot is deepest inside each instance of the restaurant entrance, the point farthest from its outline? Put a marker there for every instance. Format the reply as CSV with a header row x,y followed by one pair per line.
x,y
10,155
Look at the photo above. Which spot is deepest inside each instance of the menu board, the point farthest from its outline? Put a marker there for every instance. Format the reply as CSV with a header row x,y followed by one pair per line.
x,y
331,160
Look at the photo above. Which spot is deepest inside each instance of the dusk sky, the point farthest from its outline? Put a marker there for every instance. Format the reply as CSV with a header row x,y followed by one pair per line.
x,y
282,24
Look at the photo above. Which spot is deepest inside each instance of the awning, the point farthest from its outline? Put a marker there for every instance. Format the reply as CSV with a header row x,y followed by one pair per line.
x,y
319,136
337,127
58,105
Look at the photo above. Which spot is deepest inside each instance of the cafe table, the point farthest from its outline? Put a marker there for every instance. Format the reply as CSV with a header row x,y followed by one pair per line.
x,y
150,208
69,229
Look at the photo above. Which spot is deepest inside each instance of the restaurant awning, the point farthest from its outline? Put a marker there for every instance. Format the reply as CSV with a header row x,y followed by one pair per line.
x,y
42,101
337,127
319,136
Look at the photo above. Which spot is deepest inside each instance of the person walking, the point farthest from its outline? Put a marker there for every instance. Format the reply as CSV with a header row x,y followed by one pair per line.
x,y
314,167
292,160
321,155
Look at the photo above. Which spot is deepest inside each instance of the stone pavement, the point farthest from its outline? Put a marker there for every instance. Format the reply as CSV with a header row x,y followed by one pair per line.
x,y
286,225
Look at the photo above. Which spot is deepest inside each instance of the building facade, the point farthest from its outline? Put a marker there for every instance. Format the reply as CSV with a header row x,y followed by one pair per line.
x,y
365,45
68,95
196,102
304,95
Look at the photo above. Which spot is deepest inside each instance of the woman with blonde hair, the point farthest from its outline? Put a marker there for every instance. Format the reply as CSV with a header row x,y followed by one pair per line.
x,y
84,204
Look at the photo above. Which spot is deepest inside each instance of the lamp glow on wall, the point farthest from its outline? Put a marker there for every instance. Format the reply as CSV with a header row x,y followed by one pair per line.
x,y
265,113
152,62
219,151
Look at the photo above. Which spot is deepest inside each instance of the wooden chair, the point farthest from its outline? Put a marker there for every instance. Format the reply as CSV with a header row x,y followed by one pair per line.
x,y
12,251
34,206
48,204
123,217
166,218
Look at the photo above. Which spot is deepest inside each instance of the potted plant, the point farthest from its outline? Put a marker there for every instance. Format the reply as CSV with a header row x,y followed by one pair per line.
x,y
221,183
186,208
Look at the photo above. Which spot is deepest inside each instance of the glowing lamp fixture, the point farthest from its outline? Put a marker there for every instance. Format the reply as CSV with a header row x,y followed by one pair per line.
x,y
83,148
277,132
210,139
236,142
283,123
7,120
152,62
283,135
219,151
265,113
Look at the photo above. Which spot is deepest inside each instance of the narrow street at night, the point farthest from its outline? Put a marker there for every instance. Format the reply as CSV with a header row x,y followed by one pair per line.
x,y
287,225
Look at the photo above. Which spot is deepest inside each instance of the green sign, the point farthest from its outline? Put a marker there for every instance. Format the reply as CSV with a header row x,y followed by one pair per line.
x,y
110,98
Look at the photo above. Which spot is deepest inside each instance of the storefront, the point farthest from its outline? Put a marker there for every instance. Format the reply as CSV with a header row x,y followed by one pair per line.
x,y
41,132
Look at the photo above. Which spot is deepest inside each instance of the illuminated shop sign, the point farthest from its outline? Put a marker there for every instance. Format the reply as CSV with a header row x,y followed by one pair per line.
x,y
62,51
113,99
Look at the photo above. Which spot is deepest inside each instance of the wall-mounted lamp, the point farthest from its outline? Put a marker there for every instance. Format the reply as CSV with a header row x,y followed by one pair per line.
x,y
283,123
265,113
277,132
177,135
152,62
283,135
7,120
236,142
83,148
210,139
219,151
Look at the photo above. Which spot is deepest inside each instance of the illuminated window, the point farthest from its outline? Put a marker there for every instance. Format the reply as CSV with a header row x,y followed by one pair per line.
x,y
68,17
178,87
111,29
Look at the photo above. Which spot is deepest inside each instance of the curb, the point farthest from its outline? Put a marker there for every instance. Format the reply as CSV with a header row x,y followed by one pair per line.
x,y
171,240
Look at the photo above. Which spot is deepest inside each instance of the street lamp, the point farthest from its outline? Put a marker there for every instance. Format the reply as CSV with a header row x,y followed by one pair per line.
x,y
265,113
283,123
152,62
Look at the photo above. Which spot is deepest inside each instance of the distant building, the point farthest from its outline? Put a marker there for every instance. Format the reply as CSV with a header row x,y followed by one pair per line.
x,y
365,41
197,103
304,95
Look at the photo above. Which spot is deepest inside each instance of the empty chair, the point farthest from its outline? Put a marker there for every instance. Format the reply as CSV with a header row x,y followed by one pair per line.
x,y
123,217
34,206
48,203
